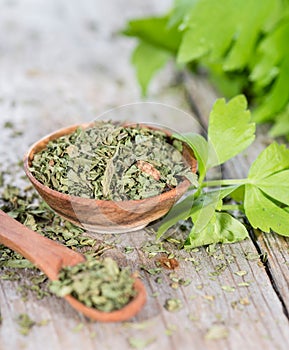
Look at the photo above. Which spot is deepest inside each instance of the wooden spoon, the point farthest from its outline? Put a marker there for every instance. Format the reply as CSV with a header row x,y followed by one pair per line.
x,y
50,256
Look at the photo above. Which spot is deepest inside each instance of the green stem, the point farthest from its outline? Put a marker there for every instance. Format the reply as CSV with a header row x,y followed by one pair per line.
x,y
226,182
231,207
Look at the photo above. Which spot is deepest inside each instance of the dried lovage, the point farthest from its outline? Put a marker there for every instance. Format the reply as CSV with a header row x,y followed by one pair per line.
x,y
168,263
112,162
97,283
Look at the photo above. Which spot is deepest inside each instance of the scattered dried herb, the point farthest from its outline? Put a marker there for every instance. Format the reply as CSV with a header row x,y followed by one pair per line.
x,y
244,284
25,323
193,317
173,304
8,125
170,330
112,162
252,256
151,271
152,248
140,325
168,263
137,343
128,249
244,301
219,268
179,281
241,273
78,327
217,332
97,283
228,288
210,298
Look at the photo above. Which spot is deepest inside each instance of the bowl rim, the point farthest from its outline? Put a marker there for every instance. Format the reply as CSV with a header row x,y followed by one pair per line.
x,y
185,183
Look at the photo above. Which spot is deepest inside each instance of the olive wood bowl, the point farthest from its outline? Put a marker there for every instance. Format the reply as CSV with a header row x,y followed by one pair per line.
x,y
106,216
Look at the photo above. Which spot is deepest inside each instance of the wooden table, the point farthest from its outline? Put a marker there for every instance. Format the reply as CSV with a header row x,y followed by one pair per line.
x,y
62,62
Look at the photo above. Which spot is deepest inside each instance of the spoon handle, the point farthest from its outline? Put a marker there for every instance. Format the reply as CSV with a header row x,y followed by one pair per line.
x,y
49,256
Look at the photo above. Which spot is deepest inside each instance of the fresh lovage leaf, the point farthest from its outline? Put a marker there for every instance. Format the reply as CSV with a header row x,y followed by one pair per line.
x,y
266,194
201,206
200,147
181,211
200,209
157,44
155,31
147,68
207,204
281,126
243,47
222,228
239,30
272,66
273,159
230,130
179,10
263,213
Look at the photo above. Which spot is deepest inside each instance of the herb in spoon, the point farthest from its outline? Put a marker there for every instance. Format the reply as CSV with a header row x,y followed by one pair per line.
x,y
52,257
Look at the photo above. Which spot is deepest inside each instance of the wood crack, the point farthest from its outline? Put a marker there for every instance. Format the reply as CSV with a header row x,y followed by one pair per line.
x,y
266,264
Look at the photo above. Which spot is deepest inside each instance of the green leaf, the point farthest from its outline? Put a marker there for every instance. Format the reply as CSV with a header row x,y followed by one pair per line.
x,y
281,126
148,59
179,10
276,186
155,31
231,32
230,130
222,228
273,159
263,213
268,183
238,194
273,66
200,209
278,96
180,211
158,42
205,206
200,147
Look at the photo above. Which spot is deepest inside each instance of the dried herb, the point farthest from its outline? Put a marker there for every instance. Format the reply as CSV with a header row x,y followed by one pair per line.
x,y
99,284
241,273
25,206
25,323
137,343
217,332
111,162
78,328
168,263
228,288
173,304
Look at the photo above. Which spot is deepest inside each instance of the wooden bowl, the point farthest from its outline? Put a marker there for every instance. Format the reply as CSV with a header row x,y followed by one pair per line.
x,y
106,216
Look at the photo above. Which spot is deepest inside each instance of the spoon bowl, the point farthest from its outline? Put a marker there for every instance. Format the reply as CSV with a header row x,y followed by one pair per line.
x,y
50,256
